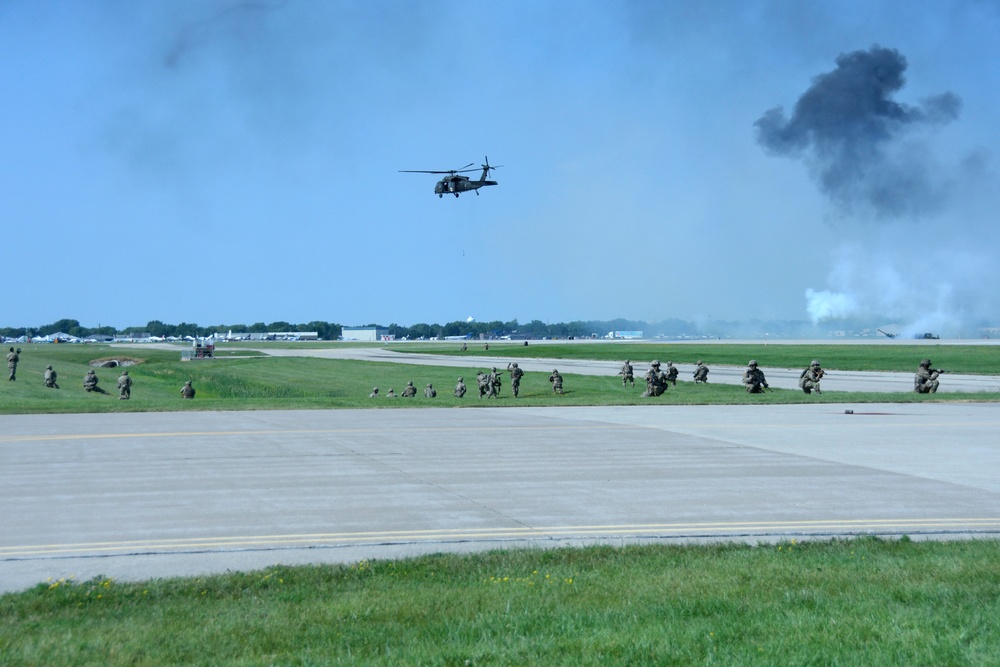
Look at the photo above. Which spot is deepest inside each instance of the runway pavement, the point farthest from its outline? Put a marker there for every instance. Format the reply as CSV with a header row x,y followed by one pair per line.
x,y
142,495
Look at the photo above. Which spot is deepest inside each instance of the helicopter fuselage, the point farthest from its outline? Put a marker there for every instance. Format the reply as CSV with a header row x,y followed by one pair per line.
x,y
456,185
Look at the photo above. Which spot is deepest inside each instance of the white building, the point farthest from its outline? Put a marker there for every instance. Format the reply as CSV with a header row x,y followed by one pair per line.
x,y
366,334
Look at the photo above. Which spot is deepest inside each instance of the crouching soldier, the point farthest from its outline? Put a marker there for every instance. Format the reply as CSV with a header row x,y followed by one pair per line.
x,y
124,387
90,382
557,381
753,378
809,380
926,379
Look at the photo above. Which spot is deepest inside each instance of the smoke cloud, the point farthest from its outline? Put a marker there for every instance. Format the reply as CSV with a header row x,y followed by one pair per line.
x,y
858,141
925,268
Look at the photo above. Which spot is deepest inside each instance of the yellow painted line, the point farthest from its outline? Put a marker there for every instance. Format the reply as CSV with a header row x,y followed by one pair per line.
x,y
464,534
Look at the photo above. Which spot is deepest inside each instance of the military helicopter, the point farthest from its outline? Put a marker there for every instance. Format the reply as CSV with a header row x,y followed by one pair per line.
x,y
455,184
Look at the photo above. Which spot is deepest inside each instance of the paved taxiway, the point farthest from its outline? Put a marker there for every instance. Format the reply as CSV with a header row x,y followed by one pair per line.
x,y
135,496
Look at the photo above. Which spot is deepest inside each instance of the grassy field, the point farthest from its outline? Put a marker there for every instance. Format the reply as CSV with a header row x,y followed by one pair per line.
x,y
243,379
973,359
857,602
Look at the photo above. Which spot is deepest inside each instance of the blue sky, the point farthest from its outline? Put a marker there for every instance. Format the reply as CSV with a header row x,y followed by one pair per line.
x,y
238,162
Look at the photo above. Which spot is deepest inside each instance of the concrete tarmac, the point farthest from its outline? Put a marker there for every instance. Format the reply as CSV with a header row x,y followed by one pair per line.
x,y
145,495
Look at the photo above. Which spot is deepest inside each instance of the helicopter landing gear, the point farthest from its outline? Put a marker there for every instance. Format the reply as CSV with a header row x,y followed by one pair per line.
x,y
456,195
439,196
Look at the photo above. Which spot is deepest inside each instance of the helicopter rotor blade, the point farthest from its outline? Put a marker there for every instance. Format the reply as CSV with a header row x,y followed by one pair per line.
x,y
438,171
488,167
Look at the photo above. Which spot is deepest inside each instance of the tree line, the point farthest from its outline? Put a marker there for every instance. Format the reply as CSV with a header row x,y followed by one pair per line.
x,y
670,328
332,331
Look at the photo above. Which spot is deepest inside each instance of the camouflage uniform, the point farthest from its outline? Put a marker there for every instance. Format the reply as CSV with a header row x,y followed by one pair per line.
x,y
557,381
12,359
515,378
187,391
124,386
656,380
90,382
460,389
391,393
482,382
493,384
809,380
409,391
374,393
50,378
626,373
429,391
701,372
753,378
671,373
926,379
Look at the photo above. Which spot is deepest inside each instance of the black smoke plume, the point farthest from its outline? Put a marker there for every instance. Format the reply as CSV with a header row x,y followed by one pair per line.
x,y
857,140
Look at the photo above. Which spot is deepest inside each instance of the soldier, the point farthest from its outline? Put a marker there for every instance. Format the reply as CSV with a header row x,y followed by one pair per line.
x,y
626,373
671,373
460,388
124,387
409,391
430,391
187,391
50,378
12,359
753,378
926,379
464,347
556,380
493,384
391,393
701,373
90,382
656,380
810,377
482,382
374,393
515,377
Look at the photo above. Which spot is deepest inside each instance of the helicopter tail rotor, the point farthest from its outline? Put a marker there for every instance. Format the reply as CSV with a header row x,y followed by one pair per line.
x,y
487,167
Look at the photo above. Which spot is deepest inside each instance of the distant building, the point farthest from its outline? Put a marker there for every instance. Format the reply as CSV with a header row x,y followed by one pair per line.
x,y
624,335
366,334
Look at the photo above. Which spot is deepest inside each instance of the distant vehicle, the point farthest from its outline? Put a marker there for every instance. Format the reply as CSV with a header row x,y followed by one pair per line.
x,y
927,336
455,184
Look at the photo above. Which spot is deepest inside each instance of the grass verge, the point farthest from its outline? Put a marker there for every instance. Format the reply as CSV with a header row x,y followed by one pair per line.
x,y
860,602
256,382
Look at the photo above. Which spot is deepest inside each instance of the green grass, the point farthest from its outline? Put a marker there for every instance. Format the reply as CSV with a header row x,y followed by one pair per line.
x,y
242,380
972,359
858,602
